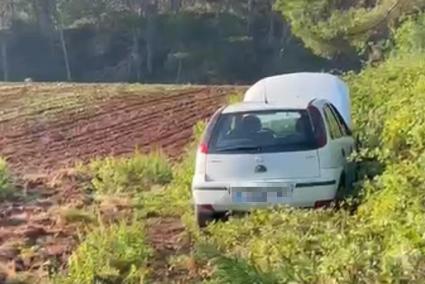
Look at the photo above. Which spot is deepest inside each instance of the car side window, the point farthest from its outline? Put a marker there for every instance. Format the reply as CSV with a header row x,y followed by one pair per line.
x,y
334,128
341,122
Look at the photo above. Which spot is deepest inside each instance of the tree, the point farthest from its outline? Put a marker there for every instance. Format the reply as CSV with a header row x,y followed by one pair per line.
x,y
151,13
335,27
6,17
44,11
56,15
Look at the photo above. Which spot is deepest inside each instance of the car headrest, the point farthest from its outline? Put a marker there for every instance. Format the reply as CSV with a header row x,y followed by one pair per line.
x,y
251,123
302,124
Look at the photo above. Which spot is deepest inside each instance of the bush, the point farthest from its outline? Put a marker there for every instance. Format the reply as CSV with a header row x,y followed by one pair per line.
x,y
410,37
130,175
115,254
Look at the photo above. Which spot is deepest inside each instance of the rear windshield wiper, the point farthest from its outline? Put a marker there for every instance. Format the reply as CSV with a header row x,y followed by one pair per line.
x,y
240,148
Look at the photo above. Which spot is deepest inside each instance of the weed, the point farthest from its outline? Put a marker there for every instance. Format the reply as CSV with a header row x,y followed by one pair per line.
x,y
5,184
74,215
112,254
130,175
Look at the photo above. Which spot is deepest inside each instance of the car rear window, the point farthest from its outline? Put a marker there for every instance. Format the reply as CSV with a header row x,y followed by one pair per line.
x,y
262,131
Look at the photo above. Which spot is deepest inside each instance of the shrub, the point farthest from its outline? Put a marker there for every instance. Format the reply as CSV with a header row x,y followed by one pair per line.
x,y
410,36
115,254
134,174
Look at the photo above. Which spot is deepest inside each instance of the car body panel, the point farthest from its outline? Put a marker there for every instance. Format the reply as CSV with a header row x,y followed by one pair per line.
x,y
292,165
304,192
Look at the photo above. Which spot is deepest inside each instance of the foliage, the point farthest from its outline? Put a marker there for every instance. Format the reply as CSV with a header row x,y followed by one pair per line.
x,y
5,186
410,37
115,254
130,175
332,27
111,40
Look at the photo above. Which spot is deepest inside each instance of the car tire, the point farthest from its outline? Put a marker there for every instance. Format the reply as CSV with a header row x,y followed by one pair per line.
x,y
203,219
341,190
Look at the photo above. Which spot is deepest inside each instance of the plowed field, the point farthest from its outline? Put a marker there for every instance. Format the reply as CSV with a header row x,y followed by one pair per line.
x,y
47,127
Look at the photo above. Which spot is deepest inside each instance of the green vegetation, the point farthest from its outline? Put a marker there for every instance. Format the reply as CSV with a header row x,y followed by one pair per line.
x,y
5,185
73,215
410,37
331,27
110,254
130,175
113,252
156,41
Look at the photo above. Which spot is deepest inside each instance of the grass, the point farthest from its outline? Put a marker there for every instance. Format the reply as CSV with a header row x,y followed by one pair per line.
x,y
130,175
74,215
117,253
114,248
6,190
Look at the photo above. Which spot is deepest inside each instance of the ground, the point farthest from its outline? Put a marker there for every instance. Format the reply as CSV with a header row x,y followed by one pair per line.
x,y
45,129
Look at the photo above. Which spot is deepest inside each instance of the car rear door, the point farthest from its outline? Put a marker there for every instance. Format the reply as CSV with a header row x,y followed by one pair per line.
x,y
341,144
348,144
334,154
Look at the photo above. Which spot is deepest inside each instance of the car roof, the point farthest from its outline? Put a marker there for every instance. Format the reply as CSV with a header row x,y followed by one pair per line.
x,y
259,106
297,89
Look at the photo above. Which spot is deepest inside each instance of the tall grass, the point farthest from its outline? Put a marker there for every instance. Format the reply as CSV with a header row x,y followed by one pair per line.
x,y
129,175
110,254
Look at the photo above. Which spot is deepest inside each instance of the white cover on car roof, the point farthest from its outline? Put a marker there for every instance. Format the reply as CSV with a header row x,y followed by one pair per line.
x,y
298,89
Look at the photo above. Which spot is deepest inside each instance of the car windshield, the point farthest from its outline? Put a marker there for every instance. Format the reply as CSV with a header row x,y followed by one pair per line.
x,y
263,131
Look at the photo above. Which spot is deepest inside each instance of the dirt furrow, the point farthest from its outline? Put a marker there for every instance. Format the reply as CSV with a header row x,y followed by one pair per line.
x,y
113,126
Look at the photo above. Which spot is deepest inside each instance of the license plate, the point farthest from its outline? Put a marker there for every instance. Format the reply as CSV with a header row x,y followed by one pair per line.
x,y
260,195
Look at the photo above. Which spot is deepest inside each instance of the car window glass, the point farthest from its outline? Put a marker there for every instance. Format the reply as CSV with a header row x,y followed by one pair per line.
x,y
334,129
270,131
342,125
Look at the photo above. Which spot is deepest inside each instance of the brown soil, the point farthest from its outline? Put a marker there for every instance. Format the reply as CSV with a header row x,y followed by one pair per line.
x,y
45,129
34,235
35,142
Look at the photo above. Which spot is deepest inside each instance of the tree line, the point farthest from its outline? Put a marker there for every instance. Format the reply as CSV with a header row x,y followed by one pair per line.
x,y
197,41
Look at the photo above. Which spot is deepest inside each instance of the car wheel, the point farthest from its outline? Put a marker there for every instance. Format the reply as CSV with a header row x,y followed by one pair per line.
x,y
340,192
202,218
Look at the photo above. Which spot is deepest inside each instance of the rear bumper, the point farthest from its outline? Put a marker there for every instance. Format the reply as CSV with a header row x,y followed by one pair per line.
x,y
218,196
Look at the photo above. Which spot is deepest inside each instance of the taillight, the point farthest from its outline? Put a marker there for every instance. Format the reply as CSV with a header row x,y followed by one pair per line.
x,y
318,126
203,148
